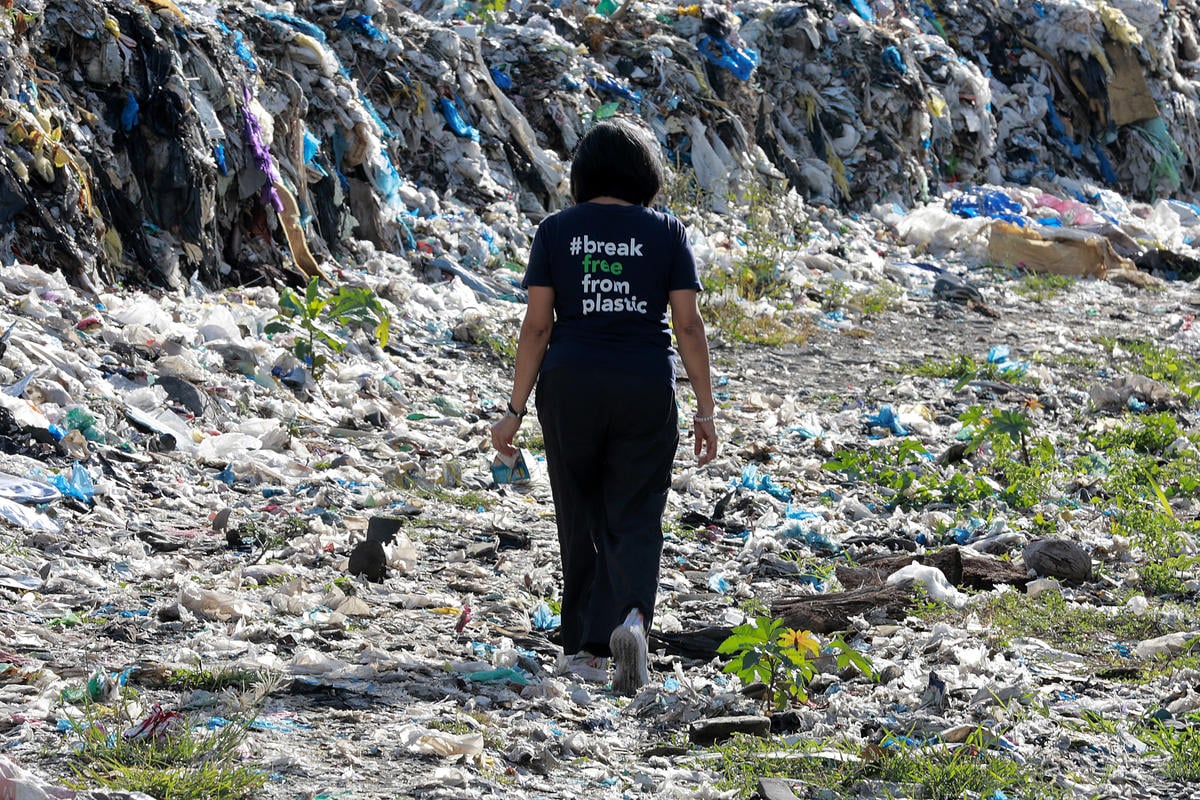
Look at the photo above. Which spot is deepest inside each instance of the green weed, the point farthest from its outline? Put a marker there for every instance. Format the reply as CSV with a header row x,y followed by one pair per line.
x,y
738,321
504,347
835,296
966,771
1181,746
764,650
1081,629
962,370
1151,434
470,500
904,469
882,298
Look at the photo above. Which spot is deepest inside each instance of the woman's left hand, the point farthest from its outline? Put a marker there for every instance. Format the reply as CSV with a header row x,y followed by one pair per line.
x,y
706,441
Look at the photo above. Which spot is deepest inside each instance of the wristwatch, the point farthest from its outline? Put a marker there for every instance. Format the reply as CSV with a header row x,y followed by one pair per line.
x,y
512,412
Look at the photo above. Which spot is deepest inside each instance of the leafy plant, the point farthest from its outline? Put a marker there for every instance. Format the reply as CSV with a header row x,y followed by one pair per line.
x,y
902,468
962,369
835,296
779,657
782,658
1014,424
306,316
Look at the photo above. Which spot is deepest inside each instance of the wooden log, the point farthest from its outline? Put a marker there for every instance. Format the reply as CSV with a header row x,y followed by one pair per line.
x,y
873,570
826,613
962,566
970,569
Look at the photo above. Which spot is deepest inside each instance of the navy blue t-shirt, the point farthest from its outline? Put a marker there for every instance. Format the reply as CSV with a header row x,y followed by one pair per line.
x,y
612,267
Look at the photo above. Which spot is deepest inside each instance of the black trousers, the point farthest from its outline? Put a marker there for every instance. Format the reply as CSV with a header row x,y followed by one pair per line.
x,y
610,443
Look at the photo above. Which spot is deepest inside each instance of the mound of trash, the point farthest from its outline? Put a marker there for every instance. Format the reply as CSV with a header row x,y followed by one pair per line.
x,y
151,141
234,510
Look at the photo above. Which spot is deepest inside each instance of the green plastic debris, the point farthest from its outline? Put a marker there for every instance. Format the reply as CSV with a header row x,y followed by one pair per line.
x,y
499,675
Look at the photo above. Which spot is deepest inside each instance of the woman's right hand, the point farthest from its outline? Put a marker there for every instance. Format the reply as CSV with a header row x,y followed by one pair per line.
x,y
503,431
706,441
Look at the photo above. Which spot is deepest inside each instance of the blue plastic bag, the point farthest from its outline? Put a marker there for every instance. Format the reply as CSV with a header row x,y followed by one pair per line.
x,y
500,78
129,114
893,59
862,8
886,418
363,23
544,619
998,356
741,62
989,203
752,480
457,123
78,485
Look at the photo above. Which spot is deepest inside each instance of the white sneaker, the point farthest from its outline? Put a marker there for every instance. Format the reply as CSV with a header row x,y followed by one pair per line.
x,y
587,667
628,645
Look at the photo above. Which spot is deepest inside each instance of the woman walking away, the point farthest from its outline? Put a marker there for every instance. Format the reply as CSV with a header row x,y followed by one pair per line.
x,y
596,341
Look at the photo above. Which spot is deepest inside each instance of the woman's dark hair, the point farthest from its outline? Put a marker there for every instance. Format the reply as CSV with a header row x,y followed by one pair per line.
x,y
616,159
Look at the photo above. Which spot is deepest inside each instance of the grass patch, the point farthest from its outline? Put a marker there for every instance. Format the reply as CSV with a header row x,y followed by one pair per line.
x,y
963,369
1085,630
730,316
183,762
1039,287
534,441
1162,363
217,680
469,499
503,347
968,770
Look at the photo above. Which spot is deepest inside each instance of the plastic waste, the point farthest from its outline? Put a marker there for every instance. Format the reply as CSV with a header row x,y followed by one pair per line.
x,y
27,490
510,469
991,203
932,580
25,517
887,419
998,356
544,619
814,539
740,61
458,124
78,484
438,743
752,479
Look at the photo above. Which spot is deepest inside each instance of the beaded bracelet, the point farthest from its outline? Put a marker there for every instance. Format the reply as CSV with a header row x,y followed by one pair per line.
x,y
709,418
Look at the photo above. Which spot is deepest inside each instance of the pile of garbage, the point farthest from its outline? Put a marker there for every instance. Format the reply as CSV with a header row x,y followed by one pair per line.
x,y
242,144
228,497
